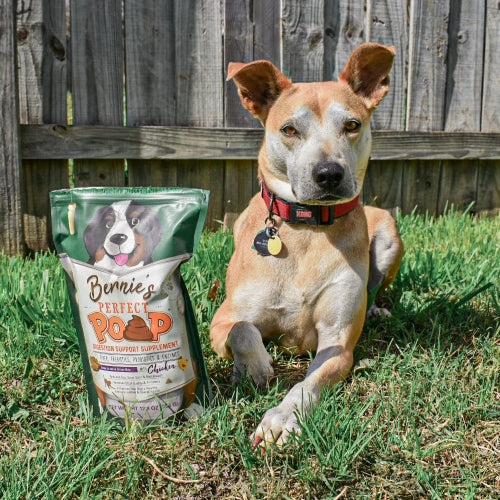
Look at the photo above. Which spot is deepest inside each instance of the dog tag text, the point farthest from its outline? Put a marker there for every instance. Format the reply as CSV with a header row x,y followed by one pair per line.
x,y
267,242
261,243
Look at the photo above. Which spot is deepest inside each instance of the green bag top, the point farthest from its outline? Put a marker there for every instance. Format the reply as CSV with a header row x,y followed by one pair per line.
x,y
174,212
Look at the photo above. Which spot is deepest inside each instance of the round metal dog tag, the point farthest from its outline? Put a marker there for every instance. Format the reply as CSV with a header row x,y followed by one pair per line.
x,y
274,245
261,243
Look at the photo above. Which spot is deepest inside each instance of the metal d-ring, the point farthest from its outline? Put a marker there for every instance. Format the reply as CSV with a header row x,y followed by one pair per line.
x,y
270,221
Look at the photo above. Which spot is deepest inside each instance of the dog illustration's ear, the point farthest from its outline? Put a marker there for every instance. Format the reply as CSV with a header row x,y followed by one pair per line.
x,y
259,85
367,72
95,233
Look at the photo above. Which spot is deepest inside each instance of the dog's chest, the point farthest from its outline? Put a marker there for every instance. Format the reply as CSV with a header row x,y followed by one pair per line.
x,y
284,296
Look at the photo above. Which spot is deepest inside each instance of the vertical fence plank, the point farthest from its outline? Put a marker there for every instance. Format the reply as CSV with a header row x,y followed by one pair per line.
x,y
267,35
428,48
464,66
11,234
41,28
303,40
239,45
488,189
150,81
97,80
386,23
251,32
344,30
490,115
200,84
458,185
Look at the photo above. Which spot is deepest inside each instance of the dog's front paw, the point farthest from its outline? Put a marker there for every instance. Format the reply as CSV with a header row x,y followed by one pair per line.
x,y
257,365
375,311
276,427
249,353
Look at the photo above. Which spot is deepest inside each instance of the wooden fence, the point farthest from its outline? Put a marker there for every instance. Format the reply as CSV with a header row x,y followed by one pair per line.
x,y
113,92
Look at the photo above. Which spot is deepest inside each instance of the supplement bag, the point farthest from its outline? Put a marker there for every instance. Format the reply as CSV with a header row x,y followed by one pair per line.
x,y
122,249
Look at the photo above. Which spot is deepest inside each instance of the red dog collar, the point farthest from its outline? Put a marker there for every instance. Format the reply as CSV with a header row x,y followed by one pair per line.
x,y
313,215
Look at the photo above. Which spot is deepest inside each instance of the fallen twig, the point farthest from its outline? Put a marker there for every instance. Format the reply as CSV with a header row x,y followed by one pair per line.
x,y
166,476
342,493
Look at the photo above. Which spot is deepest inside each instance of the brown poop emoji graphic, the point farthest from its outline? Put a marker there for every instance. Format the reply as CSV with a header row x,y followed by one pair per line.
x,y
137,329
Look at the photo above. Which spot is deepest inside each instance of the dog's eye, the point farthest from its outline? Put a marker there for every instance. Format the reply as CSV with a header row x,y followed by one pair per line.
x,y
289,131
109,223
134,221
352,125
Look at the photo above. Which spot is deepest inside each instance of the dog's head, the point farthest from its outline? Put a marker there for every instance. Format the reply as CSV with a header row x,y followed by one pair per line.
x,y
317,135
122,235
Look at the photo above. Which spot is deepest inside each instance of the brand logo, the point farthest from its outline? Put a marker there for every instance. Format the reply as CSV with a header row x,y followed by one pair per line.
x,y
304,214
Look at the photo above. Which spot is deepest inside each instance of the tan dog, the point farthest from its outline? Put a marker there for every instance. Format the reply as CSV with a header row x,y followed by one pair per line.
x,y
304,281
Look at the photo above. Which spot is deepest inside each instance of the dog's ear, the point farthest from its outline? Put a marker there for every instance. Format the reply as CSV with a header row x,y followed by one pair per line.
x,y
259,85
367,72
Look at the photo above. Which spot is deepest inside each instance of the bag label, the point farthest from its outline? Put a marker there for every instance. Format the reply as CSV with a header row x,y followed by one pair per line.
x,y
136,336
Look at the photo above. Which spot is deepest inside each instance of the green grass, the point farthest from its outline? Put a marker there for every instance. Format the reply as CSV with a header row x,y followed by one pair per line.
x,y
420,419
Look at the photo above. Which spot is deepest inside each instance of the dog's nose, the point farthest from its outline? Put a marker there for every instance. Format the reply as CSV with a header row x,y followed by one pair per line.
x,y
328,174
118,238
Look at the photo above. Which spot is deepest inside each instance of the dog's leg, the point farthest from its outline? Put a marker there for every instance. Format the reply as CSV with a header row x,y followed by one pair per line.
x,y
386,252
242,342
337,337
249,354
328,367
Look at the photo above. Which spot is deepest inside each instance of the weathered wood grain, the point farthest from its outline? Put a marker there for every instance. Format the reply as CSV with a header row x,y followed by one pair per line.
x,y
302,25
345,29
11,234
488,188
150,81
56,141
464,67
267,35
490,116
244,41
199,63
383,186
41,28
149,62
428,48
458,183
386,23
97,80
199,80
238,47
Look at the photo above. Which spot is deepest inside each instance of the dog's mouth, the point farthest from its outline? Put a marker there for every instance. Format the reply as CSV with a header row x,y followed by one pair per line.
x,y
322,199
122,259
326,200
314,196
